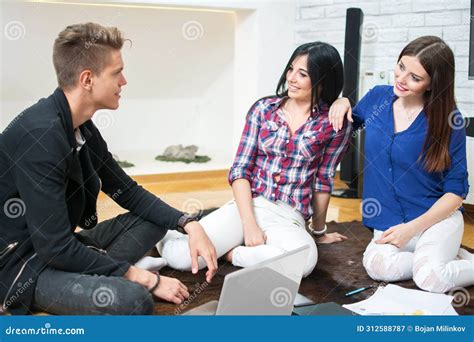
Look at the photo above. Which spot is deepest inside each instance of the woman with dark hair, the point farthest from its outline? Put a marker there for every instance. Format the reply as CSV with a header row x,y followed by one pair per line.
x,y
283,171
415,174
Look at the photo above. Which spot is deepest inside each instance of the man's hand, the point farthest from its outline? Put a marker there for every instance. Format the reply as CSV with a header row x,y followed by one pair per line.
x,y
398,235
200,245
254,236
169,289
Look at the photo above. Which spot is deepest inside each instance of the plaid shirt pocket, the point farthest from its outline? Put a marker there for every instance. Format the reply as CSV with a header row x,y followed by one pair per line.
x,y
268,137
309,144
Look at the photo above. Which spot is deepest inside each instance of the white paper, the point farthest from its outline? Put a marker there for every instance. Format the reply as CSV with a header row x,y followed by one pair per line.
x,y
396,300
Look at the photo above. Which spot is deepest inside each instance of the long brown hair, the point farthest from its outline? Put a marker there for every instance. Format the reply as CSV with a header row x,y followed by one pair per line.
x,y
438,60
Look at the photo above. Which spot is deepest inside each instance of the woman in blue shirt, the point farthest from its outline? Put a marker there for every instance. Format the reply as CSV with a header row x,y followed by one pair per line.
x,y
415,174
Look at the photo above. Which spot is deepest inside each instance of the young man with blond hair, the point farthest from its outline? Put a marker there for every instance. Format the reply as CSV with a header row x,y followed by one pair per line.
x,y
53,163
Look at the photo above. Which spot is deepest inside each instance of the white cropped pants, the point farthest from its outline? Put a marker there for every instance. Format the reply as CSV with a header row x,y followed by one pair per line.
x,y
283,225
429,258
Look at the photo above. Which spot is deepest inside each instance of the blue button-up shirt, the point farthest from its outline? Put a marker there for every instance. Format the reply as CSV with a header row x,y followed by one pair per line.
x,y
397,189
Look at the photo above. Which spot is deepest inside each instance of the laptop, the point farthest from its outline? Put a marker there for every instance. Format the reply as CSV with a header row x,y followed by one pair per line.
x,y
268,288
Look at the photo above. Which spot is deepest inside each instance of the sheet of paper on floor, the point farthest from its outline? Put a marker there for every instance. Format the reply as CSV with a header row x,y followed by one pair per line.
x,y
396,300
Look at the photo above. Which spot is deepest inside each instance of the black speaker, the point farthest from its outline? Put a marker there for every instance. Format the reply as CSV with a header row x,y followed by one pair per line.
x,y
471,44
352,163
469,124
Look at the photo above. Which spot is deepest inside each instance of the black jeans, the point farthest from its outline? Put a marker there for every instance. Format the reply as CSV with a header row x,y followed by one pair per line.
x,y
126,237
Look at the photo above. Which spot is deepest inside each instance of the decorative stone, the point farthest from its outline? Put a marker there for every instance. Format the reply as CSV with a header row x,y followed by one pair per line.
x,y
122,163
180,152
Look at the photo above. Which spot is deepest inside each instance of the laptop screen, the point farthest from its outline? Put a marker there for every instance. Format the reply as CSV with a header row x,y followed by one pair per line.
x,y
268,288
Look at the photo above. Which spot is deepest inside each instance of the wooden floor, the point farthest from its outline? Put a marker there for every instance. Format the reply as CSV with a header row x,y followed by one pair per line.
x,y
194,191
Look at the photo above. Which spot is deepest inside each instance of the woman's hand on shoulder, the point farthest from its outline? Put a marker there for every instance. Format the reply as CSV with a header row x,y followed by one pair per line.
x,y
339,109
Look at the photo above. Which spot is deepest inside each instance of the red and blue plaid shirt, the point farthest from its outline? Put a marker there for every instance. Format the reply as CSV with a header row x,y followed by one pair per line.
x,y
281,166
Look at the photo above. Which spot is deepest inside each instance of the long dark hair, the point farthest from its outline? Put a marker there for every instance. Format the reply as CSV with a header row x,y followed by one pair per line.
x,y
324,68
438,60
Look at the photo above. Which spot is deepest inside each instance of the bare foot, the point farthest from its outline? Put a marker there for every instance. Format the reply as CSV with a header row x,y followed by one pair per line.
x,y
228,255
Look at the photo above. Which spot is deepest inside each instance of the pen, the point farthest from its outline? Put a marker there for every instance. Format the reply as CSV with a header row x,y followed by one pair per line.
x,y
359,290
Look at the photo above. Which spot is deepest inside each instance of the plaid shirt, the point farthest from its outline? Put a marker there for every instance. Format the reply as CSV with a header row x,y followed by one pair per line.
x,y
284,167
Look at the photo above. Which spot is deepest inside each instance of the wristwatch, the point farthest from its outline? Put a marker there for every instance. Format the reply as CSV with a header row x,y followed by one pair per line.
x,y
183,221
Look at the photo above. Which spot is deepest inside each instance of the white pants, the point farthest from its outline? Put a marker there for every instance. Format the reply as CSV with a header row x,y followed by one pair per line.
x,y
283,225
428,258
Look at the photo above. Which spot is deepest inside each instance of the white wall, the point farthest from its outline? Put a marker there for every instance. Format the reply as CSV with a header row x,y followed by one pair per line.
x,y
179,90
388,26
264,41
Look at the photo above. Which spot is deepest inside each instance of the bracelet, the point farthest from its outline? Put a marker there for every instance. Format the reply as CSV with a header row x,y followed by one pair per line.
x,y
157,282
317,232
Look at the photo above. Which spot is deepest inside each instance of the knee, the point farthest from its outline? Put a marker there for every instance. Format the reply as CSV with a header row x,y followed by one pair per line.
x,y
378,267
136,301
367,262
181,263
175,249
311,259
126,298
268,253
430,277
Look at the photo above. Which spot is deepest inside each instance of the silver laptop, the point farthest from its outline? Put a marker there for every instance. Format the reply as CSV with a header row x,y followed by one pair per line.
x,y
268,288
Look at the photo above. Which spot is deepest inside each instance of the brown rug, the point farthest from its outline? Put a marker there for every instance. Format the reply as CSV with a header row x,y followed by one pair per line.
x,y
339,270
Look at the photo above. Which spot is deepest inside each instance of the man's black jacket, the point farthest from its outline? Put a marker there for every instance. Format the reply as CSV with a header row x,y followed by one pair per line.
x,y
48,188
